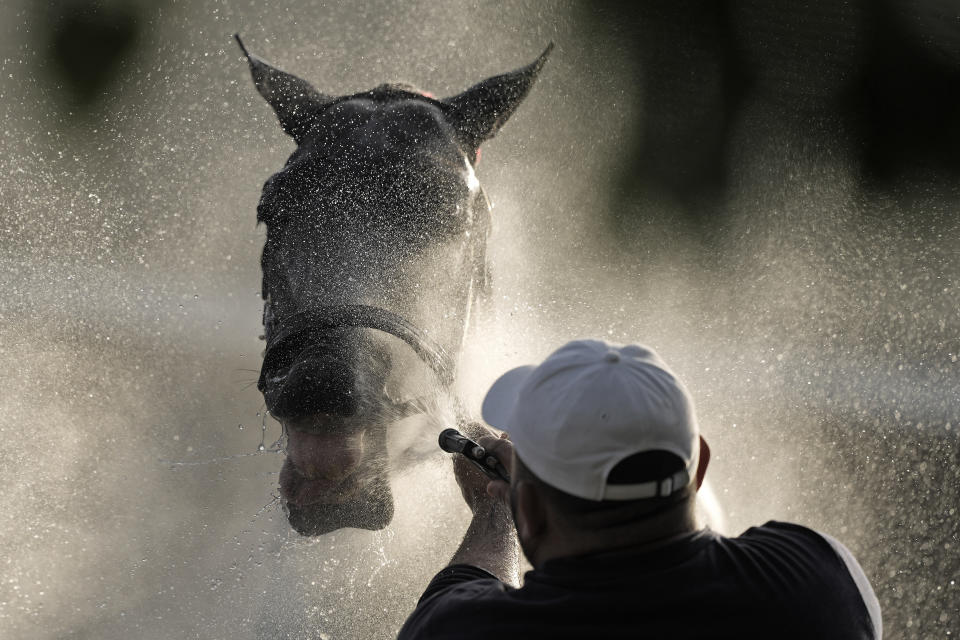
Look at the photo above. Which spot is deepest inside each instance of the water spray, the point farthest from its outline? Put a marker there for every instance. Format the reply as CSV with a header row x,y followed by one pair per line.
x,y
452,441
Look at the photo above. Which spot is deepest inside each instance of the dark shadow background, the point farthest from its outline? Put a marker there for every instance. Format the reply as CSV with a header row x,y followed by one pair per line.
x,y
881,77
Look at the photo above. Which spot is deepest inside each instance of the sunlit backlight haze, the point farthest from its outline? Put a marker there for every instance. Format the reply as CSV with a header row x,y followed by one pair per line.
x,y
761,192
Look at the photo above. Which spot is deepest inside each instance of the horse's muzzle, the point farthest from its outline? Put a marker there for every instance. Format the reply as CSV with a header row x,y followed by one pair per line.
x,y
372,510
339,373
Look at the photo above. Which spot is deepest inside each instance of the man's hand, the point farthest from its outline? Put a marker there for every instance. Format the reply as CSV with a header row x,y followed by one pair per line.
x,y
477,488
502,449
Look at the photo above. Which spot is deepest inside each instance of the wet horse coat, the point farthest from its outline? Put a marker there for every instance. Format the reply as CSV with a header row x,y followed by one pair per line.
x,y
374,256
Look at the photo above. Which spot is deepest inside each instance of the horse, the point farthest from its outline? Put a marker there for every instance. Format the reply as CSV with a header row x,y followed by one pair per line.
x,y
375,254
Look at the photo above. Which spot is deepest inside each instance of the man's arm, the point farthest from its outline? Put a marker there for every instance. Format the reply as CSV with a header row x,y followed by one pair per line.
x,y
491,543
491,539
489,546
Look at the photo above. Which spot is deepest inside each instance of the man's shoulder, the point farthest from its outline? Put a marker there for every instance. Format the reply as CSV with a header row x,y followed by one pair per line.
x,y
782,528
777,536
808,564
466,581
449,605
806,553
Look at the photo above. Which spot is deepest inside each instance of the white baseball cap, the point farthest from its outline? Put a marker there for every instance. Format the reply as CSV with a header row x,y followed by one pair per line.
x,y
589,406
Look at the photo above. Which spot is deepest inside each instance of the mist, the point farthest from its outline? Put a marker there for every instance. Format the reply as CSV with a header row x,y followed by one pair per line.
x,y
767,194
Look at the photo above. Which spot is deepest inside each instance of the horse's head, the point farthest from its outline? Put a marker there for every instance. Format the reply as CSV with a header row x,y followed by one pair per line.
x,y
376,231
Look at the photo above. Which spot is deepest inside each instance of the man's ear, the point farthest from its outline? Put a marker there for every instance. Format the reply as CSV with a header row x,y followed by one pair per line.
x,y
703,462
529,514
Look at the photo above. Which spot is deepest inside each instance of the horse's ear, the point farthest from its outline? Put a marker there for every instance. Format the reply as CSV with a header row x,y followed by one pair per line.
x,y
479,112
295,101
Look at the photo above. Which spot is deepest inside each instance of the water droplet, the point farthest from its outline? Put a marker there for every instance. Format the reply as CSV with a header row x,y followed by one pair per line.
x,y
196,296
261,448
240,426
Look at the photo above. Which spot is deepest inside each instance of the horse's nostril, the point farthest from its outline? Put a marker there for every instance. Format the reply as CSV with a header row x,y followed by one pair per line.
x,y
314,367
311,387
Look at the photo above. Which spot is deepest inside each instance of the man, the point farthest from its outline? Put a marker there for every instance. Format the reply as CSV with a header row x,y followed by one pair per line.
x,y
605,462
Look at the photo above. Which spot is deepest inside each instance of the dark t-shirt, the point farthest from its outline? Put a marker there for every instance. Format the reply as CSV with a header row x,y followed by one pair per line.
x,y
776,581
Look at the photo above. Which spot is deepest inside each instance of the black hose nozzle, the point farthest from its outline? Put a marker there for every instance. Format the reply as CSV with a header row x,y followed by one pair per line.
x,y
452,441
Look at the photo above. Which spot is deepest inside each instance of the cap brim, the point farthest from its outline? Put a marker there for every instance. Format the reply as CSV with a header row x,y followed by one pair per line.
x,y
502,397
